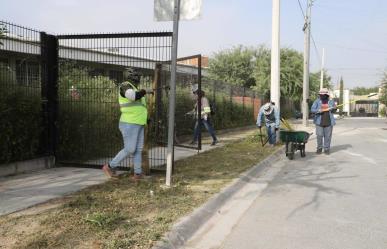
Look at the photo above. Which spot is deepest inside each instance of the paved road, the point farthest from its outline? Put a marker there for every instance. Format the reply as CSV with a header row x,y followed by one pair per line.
x,y
319,202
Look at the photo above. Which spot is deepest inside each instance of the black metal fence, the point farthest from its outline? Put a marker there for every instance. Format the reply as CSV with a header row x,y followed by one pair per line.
x,y
90,68
23,126
59,95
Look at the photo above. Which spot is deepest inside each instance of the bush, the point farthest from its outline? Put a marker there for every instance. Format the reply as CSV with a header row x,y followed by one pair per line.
x,y
88,115
20,123
382,111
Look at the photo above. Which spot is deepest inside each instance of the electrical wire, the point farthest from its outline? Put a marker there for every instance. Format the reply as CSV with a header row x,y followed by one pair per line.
x,y
311,35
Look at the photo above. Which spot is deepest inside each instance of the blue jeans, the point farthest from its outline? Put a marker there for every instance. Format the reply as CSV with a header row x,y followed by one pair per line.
x,y
133,136
324,133
271,134
209,128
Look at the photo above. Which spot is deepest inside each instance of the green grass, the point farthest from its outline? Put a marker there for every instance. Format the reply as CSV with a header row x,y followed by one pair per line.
x,y
124,214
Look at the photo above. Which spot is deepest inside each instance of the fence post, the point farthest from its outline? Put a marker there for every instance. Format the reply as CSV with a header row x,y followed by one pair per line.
x,y
243,99
200,102
152,128
49,88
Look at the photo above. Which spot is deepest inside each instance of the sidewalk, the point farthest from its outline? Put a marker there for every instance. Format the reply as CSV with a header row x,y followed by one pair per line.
x,y
26,190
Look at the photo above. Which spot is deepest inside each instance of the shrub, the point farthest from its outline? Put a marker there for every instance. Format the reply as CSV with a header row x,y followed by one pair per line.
x,y
20,123
382,111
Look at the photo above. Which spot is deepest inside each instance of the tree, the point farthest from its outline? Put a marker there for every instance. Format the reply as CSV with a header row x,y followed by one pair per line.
x,y
250,67
261,71
383,93
341,98
364,90
234,66
291,74
314,83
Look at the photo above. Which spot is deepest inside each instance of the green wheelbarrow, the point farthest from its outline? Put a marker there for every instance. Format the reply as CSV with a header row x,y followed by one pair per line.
x,y
294,140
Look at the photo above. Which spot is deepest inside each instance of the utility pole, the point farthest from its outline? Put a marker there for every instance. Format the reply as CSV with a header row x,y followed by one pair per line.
x,y
275,55
172,96
322,69
305,91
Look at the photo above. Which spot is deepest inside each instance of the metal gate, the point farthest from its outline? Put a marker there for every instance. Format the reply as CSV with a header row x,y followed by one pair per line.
x,y
90,66
27,99
365,108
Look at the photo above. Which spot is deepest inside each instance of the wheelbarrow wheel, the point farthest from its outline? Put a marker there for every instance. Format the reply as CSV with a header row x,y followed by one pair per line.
x,y
303,150
291,151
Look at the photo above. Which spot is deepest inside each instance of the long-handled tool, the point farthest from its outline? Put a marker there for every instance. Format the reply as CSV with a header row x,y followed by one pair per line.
x,y
268,138
287,125
261,135
352,101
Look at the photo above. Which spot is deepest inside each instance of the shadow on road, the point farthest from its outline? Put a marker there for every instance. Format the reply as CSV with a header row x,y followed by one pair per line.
x,y
309,173
337,148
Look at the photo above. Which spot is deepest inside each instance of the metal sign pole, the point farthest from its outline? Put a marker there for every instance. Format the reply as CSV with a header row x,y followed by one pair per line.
x,y
172,96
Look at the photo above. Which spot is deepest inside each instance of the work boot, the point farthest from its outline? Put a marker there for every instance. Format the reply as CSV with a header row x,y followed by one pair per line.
x,y
319,151
109,171
214,142
326,152
137,177
193,142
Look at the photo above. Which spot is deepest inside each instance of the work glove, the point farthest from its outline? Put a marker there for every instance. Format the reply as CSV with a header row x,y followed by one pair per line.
x,y
140,94
276,129
148,121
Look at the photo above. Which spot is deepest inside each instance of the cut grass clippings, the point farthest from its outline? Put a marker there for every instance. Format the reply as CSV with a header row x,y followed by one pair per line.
x,y
125,214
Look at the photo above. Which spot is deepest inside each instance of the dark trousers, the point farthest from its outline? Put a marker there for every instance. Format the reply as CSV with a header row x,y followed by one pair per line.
x,y
209,128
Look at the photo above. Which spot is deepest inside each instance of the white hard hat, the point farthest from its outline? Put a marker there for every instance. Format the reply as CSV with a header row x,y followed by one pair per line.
x,y
195,87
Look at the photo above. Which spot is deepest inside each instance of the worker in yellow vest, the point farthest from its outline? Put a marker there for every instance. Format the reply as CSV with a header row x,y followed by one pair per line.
x,y
133,119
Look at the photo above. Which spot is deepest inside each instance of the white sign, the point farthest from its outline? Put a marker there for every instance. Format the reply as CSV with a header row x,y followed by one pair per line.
x,y
189,10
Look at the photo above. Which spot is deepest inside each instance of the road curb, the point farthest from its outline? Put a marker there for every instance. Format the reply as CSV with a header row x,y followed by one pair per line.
x,y
183,230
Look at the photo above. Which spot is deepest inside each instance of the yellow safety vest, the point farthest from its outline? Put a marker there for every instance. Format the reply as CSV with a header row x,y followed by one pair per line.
x,y
133,111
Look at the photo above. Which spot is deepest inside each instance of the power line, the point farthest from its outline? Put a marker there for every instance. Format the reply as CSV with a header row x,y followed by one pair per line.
x,y
314,43
353,48
356,68
316,50
302,10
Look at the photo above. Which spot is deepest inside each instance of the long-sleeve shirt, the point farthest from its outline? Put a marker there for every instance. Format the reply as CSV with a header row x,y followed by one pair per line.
x,y
316,108
273,119
205,108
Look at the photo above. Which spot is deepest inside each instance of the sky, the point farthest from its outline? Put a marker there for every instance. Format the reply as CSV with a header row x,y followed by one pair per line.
x,y
353,32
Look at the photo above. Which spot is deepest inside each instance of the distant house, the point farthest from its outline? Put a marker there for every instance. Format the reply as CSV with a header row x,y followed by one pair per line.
x,y
365,105
20,58
195,62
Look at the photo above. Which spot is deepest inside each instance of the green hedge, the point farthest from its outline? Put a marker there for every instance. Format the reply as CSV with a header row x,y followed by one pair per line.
x,y
20,123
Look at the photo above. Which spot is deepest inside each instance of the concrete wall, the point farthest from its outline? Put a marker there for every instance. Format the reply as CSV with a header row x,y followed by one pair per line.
x,y
27,166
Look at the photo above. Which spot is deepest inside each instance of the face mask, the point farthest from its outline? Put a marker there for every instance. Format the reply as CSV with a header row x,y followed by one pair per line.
x,y
324,97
